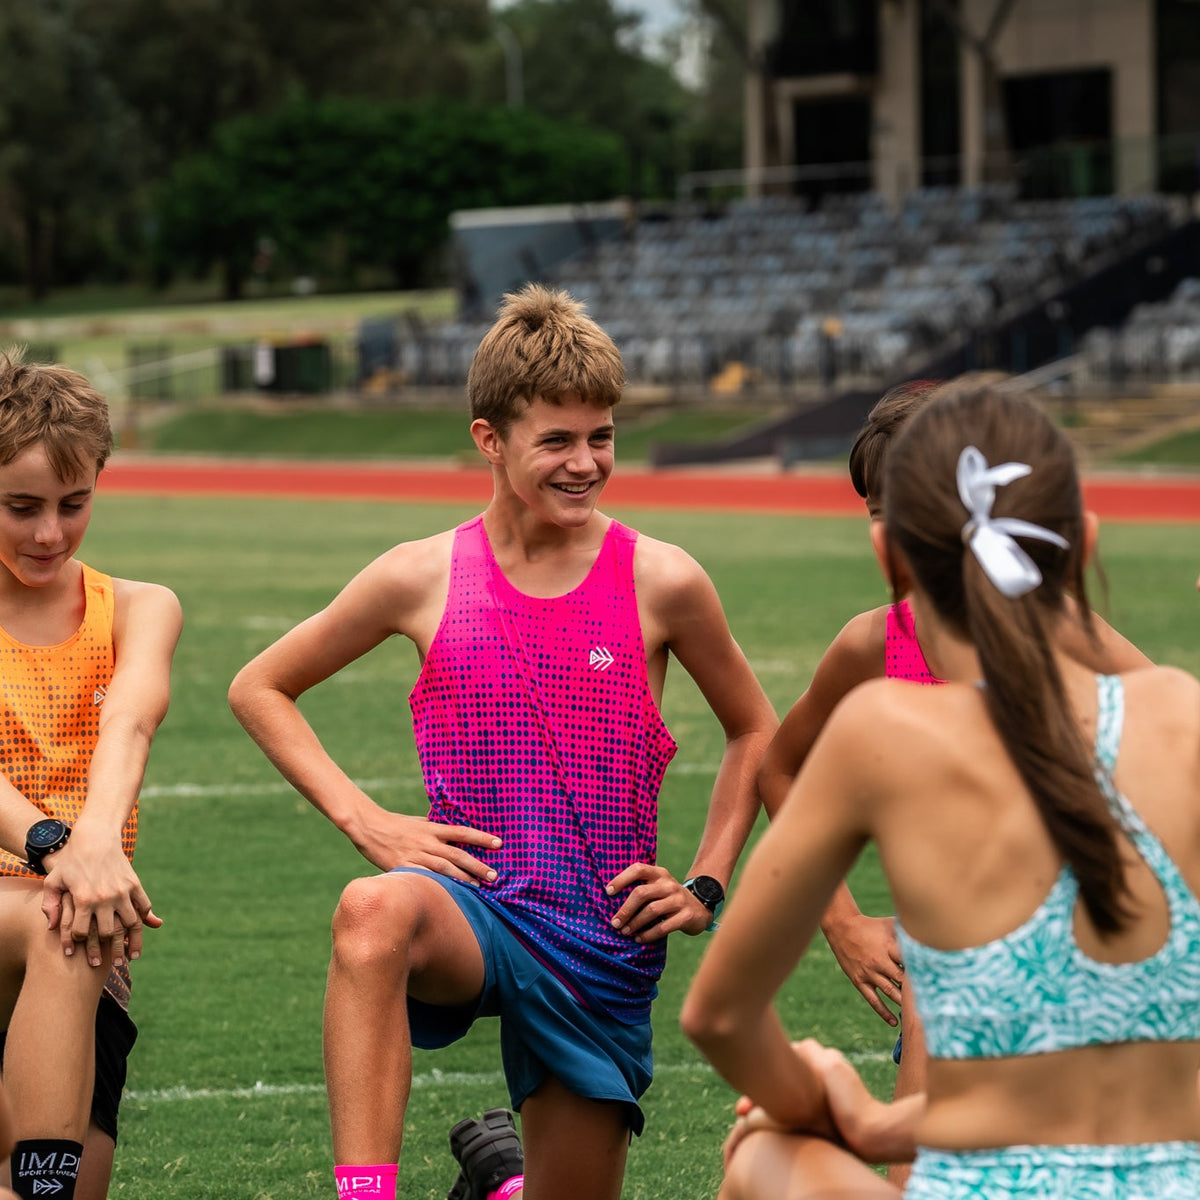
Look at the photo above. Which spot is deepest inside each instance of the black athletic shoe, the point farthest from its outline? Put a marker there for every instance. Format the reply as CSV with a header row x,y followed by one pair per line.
x,y
488,1153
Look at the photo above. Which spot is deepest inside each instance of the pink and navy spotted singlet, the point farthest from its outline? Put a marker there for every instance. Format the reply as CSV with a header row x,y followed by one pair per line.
x,y
534,720
903,657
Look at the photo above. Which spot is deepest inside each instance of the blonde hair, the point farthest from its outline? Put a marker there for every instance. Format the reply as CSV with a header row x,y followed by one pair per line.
x,y
54,407
542,346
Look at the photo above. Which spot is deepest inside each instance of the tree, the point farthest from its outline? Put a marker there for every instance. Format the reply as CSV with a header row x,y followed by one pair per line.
x,y
582,62
188,65
66,139
342,184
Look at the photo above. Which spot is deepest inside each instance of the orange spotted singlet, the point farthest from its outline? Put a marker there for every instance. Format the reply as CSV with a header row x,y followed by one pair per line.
x,y
50,698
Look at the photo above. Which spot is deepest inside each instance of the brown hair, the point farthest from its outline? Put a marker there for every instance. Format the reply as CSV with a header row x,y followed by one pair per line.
x,y
884,421
924,517
54,407
891,414
545,346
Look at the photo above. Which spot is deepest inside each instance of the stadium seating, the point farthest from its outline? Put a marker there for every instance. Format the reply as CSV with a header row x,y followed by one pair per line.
x,y
1158,342
854,288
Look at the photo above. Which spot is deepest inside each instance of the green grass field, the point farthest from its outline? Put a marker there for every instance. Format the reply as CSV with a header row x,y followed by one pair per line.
x,y
225,1090
409,433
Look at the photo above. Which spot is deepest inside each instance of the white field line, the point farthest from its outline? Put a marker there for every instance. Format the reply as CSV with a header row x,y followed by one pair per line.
x,y
274,788
428,1079
280,787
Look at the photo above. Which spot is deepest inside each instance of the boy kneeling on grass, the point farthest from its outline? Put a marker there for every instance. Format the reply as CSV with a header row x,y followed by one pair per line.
x,y
530,891
85,664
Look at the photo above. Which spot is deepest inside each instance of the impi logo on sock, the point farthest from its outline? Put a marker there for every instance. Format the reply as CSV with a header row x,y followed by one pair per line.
x,y
360,1185
364,1181
53,1162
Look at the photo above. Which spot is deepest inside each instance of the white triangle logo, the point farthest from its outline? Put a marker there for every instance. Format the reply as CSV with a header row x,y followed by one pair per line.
x,y
600,659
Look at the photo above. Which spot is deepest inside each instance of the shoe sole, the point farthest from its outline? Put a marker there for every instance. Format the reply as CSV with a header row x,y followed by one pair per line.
x,y
488,1151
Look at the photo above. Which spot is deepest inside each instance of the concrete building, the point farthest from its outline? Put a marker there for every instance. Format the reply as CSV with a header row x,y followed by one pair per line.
x,y
1066,97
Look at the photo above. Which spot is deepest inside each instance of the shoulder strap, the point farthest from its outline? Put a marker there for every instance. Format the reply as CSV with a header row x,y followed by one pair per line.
x,y
1110,720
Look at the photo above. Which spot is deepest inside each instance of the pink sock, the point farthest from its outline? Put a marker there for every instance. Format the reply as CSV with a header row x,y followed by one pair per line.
x,y
508,1189
366,1183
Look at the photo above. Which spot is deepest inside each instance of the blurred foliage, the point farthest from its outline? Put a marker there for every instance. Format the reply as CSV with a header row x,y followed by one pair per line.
x,y
582,62
145,138
66,138
330,187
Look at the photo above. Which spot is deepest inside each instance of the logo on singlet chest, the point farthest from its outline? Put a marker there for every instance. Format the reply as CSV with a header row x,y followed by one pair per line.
x,y
600,658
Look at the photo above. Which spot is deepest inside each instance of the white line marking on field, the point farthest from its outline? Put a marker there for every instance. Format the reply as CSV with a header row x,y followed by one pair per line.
x,y
271,622
281,787
278,787
427,1079
773,666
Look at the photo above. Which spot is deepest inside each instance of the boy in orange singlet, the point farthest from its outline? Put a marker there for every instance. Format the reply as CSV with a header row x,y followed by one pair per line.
x,y
84,679
885,642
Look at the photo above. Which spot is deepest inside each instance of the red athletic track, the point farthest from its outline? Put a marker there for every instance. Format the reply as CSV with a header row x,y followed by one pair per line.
x,y
1129,499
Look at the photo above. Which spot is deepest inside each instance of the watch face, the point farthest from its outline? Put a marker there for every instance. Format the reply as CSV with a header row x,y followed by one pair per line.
x,y
708,891
45,833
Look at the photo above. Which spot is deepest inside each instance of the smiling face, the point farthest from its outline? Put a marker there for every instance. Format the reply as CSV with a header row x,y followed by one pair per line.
x,y
555,458
42,518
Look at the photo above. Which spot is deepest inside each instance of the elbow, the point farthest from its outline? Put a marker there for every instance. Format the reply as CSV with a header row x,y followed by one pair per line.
x,y
772,786
705,1024
762,783
238,696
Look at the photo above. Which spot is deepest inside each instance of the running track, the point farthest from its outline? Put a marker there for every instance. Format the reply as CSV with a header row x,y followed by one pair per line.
x,y
818,493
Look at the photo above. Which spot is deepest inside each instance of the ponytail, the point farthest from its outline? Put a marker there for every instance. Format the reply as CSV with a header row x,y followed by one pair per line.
x,y
930,519
1030,709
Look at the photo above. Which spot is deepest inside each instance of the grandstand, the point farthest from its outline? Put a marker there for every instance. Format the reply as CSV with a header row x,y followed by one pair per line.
x,y
929,187
855,290
1159,342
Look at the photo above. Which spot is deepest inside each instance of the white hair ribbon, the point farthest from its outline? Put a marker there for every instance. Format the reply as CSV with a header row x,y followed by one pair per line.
x,y
990,538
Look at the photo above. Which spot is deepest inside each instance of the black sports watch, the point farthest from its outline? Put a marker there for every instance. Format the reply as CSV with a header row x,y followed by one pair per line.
x,y
44,837
710,892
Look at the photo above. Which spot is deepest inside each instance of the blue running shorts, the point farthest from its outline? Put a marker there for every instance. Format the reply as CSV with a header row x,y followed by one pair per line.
x,y
544,1029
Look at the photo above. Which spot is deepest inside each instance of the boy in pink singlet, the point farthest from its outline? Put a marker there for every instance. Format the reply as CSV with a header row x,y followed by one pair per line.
x,y
531,890
885,642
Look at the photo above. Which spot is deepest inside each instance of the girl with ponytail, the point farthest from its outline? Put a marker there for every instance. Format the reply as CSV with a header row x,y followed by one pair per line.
x,y
1040,829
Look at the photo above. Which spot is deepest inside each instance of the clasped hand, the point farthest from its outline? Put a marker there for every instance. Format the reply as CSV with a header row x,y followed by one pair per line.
x,y
93,897
874,1131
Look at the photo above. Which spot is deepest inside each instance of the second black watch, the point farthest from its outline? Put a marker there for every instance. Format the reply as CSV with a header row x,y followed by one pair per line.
x,y
44,837
710,892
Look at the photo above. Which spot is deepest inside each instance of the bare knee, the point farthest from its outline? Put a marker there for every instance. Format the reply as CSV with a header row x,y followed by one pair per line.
x,y
741,1173
781,1166
383,922
373,924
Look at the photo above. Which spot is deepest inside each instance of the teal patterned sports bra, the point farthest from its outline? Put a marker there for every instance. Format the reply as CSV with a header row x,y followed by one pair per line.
x,y
1034,991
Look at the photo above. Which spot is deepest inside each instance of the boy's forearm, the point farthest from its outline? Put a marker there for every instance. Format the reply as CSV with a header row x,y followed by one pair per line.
x,y
773,785
116,772
733,808
842,908
274,721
